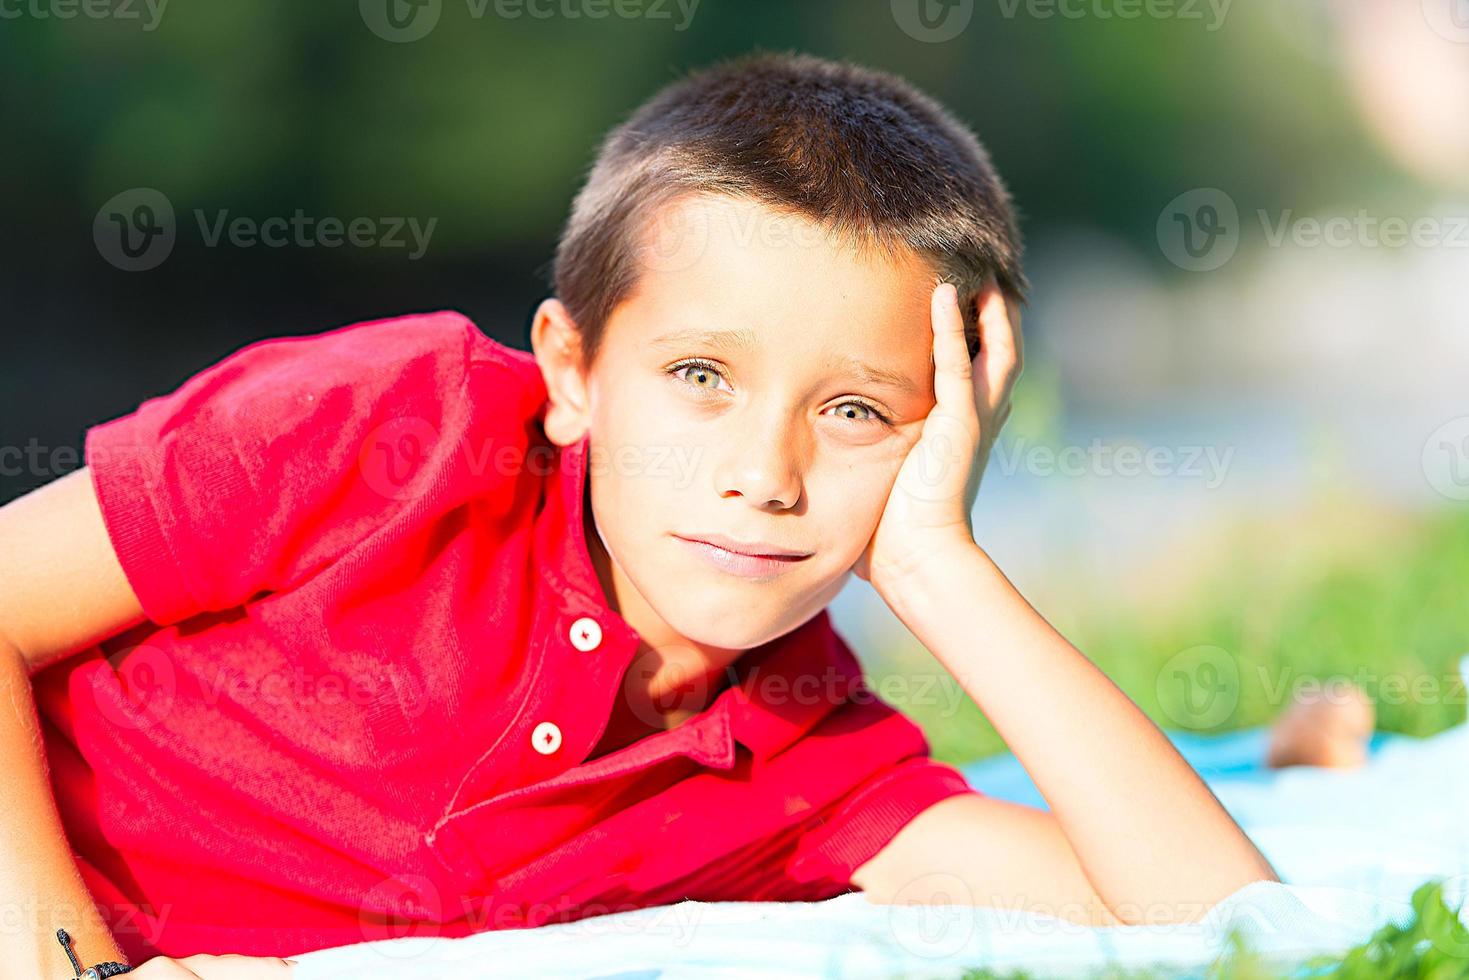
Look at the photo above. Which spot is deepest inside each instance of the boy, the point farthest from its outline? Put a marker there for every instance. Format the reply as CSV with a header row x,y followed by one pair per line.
x,y
423,627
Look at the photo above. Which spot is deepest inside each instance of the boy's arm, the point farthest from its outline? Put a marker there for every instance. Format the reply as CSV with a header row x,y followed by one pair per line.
x,y
1132,833
61,589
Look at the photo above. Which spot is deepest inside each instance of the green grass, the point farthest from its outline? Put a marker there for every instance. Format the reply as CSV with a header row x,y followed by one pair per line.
x,y
1378,598
1434,945
1350,593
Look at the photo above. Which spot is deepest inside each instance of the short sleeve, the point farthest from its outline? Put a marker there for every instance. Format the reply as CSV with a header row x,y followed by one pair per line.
x,y
271,463
859,825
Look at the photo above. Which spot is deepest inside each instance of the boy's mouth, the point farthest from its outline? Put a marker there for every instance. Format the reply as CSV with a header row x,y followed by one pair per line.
x,y
752,559
752,549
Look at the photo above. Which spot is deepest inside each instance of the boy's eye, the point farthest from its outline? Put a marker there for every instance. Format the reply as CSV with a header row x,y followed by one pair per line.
x,y
873,415
706,376
697,374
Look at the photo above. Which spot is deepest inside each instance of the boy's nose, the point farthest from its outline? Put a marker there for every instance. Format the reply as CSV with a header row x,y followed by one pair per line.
x,y
761,467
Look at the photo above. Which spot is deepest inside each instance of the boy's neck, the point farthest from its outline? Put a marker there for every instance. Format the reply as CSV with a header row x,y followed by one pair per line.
x,y
661,678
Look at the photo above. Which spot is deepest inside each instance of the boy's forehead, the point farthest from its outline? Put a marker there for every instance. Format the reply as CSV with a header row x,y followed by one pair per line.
x,y
713,262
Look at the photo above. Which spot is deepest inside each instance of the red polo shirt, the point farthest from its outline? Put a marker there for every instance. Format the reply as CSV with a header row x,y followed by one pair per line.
x,y
377,657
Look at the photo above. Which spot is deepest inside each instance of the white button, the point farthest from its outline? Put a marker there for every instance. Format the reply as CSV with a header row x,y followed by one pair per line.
x,y
546,738
586,634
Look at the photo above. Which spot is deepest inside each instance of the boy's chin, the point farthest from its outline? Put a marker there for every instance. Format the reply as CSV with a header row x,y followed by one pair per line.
x,y
728,620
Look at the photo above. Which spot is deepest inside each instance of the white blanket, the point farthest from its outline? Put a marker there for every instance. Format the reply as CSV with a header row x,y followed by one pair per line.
x,y
1350,847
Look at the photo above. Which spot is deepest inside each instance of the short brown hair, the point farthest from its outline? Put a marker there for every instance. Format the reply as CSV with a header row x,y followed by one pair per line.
x,y
859,151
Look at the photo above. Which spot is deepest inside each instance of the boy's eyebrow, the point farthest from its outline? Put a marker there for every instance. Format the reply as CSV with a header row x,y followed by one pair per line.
x,y
744,339
740,339
875,375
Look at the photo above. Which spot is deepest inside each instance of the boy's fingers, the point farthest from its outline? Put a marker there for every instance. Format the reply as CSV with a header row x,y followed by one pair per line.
x,y
999,343
232,966
953,378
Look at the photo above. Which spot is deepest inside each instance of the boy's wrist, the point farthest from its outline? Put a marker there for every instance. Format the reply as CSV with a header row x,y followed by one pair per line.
x,y
108,966
909,589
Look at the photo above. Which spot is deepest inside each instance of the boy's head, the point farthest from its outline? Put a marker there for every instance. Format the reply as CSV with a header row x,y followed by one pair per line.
x,y
803,210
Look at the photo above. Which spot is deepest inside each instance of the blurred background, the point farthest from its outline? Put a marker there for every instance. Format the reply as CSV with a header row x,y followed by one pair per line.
x,y
1239,461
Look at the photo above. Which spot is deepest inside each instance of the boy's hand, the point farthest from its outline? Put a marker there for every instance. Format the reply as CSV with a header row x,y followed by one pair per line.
x,y
203,966
929,507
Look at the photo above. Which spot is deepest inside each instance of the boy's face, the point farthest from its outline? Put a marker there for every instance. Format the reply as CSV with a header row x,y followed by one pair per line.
x,y
729,399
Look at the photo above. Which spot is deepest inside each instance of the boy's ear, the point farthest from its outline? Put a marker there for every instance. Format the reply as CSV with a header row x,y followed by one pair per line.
x,y
556,342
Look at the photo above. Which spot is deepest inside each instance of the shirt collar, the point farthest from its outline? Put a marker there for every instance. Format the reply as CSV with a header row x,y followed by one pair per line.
x,y
779,691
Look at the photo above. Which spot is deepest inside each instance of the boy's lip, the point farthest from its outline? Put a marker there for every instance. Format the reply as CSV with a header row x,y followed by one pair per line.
x,y
755,549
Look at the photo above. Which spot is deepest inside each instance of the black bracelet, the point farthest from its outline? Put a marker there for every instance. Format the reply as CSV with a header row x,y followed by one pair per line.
x,y
101,971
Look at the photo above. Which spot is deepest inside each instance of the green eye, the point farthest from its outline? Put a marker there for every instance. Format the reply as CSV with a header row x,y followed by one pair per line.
x,y
873,415
709,377
685,370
